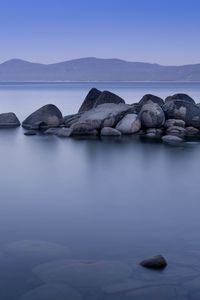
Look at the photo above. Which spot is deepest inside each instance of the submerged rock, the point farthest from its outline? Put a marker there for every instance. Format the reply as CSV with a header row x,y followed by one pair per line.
x,y
180,96
52,292
8,120
83,273
46,116
64,132
152,115
129,124
30,132
172,140
156,262
109,131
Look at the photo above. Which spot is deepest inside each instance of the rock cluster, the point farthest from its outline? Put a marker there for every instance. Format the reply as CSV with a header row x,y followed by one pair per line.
x,y
105,114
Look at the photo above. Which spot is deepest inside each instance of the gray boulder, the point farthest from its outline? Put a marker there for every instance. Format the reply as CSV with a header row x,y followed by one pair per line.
x,y
90,100
96,97
104,115
174,122
8,120
71,119
83,129
109,131
108,97
180,109
151,98
172,140
176,130
152,115
45,117
191,131
129,124
156,262
180,96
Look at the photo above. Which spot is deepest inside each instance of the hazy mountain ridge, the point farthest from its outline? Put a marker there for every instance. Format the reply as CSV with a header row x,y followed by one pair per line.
x,y
95,69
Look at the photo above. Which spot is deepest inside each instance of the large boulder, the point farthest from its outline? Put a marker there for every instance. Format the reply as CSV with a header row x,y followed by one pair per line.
x,y
45,117
8,120
180,96
90,100
152,115
104,115
96,97
71,119
151,98
183,110
129,124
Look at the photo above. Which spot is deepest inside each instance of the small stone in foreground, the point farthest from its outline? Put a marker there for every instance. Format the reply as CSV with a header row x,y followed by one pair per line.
x,y
30,132
156,262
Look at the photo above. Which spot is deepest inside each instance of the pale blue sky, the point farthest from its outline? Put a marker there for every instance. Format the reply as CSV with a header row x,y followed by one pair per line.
x,y
161,31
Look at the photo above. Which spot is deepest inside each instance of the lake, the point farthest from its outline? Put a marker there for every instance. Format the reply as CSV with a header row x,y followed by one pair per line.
x,y
78,215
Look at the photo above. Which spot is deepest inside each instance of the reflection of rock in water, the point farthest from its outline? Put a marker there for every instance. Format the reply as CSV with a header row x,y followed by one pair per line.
x,y
83,273
52,292
36,250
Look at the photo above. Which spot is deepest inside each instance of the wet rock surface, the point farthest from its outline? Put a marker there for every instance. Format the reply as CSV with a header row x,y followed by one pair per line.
x,y
157,262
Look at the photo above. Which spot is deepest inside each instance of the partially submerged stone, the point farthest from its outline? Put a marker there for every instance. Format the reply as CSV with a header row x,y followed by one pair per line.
x,y
52,292
30,132
155,262
9,120
46,116
129,124
109,131
191,131
64,132
80,128
83,273
172,140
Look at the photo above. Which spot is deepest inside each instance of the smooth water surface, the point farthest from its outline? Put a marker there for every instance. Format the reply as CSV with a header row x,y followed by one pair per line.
x,y
78,215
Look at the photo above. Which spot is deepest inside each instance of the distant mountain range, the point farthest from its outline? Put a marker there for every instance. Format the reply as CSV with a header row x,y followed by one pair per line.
x,y
95,69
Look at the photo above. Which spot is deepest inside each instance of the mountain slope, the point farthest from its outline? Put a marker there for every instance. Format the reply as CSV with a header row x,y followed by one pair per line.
x,y
94,69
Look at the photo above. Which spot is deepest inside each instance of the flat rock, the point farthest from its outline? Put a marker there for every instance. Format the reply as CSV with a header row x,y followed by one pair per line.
x,y
9,120
52,292
83,273
152,115
172,140
46,116
104,115
129,124
109,131
155,262
174,122
176,130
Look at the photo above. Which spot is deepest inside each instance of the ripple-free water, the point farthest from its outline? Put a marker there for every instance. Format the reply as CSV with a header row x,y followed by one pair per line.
x,y
77,215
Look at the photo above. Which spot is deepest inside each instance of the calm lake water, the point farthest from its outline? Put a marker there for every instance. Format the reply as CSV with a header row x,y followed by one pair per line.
x,y
78,215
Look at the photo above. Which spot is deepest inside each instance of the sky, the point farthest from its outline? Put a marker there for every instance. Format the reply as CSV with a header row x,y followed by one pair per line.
x,y
48,31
